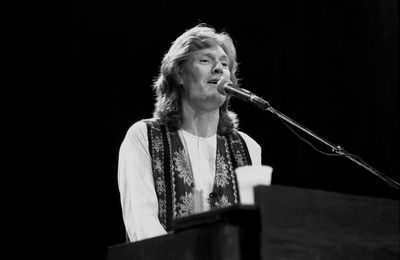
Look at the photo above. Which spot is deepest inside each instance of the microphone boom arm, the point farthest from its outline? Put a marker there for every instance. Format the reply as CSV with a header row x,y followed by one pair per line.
x,y
336,149
226,87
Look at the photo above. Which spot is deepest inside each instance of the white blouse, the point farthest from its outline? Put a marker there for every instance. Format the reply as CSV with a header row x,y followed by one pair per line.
x,y
135,177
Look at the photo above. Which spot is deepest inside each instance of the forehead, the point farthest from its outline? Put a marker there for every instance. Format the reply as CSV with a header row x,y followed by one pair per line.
x,y
216,52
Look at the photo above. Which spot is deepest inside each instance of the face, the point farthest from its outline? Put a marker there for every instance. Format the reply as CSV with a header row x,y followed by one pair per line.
x,y
200,76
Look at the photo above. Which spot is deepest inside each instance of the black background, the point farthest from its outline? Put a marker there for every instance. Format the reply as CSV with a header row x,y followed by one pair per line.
x,y
81,73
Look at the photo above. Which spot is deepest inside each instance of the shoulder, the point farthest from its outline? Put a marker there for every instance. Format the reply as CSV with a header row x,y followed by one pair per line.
x,y
249,141
138,131
253,147
139,128
135,139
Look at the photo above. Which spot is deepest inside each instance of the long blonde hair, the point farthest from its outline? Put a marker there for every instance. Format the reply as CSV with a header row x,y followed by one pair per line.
x,y
167,89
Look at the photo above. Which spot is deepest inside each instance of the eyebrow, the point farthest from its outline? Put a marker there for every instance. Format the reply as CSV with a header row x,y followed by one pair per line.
x,y
224,56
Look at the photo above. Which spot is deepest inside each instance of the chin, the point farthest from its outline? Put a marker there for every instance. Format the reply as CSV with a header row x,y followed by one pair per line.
x,y
217,100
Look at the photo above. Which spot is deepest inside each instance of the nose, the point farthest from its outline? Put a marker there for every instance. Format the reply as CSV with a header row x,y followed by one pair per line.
x,y
218,69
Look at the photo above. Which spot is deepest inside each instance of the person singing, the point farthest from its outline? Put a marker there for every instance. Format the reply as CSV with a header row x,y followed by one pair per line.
x,y
192,143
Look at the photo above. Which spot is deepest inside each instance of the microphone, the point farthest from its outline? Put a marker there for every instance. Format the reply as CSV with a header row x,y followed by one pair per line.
x,y
226,87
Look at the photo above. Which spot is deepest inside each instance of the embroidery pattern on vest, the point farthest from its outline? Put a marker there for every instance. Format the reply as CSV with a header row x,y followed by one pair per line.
x,y
238,150
170,165
173,176
182,178
226,193
232,176
157,155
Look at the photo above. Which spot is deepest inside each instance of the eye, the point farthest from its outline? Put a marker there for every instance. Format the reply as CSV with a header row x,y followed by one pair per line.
x,y
225,64
204,60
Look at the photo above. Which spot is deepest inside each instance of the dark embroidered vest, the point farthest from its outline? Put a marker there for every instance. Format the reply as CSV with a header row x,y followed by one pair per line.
x,y
173,177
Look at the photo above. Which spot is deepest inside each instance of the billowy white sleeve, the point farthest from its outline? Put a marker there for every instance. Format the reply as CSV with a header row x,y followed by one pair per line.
x,y
253,147
136,186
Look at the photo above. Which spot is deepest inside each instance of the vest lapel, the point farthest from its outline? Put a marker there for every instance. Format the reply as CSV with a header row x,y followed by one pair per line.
x,y
182,179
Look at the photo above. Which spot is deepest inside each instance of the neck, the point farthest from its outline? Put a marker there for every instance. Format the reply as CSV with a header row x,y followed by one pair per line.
x,y
200,123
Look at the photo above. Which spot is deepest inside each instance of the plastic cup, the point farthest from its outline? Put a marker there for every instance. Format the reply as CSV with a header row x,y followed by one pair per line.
x,y
250,176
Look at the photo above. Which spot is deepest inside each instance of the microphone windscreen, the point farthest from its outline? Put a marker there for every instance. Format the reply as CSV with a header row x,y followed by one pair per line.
x,y
221,85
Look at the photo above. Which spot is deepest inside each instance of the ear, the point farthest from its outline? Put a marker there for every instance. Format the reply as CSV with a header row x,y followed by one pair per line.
x,y
180,80
179,76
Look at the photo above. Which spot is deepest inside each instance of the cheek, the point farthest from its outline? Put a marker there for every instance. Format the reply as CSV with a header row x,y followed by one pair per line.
x,y
195,74
227,74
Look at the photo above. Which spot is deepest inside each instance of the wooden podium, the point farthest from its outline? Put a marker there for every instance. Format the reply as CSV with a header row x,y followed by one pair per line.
x,y
311,224
286,223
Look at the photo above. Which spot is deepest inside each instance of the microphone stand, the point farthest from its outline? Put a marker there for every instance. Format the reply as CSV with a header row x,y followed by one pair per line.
x,y
336,149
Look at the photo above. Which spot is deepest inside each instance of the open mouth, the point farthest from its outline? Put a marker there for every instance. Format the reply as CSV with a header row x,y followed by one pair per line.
x,y
213,81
